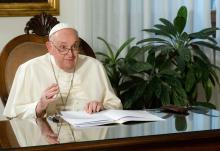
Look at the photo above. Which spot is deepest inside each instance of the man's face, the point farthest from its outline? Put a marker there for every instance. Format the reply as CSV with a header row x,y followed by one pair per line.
x,y
64,46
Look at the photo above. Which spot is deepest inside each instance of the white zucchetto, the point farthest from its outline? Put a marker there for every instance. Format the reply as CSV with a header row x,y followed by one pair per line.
x,y
58,27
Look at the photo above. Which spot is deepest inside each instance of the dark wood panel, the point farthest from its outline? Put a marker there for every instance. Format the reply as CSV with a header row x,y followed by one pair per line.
x,y
7,136
196,141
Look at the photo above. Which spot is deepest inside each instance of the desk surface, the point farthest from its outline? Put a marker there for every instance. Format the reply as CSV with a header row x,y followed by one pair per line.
x,y
198,131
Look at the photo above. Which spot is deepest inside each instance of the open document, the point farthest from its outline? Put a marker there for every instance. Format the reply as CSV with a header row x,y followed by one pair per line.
x,y
83,119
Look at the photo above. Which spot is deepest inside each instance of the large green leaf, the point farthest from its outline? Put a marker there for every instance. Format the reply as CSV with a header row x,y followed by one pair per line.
x,y
162,60
165,95
102,54
178,94
166,29
203,34
148,96
200,53
151,57
198,35
179,24
206,33
180,20
108,46
133,52
184,38
175,98
169,27
209,31
207,85
128,84
182,93
172,80
169,72
126,67
159,32
180,63
141,66
185,53
165,67
164,49
182,12
137,93
125,44
190,80
135,67
157,85
207,44
154,40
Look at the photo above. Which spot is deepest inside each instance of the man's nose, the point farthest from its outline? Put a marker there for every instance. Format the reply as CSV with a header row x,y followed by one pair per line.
x,y
70,52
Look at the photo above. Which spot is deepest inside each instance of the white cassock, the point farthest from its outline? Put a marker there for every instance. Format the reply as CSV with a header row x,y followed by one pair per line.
x,y
90,83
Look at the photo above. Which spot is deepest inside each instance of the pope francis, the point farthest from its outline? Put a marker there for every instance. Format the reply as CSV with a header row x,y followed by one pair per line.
x,y
62,79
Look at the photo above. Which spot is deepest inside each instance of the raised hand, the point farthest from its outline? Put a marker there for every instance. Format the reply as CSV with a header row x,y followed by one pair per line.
x,y
48,96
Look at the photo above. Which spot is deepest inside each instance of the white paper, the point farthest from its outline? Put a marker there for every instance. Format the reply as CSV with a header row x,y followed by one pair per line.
x,y
83,119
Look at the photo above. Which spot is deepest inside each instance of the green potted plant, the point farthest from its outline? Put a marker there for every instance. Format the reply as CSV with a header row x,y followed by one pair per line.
x,y
178,66
111,60
150,83
120,68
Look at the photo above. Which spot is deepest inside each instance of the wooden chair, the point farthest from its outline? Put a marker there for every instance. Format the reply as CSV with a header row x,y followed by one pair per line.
x,y
27,46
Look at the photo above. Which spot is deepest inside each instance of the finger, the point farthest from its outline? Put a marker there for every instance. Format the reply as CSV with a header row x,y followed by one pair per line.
x,y
52,94
94,106
50,100
52,89
48,93
98,108
53,85
86,108
90,107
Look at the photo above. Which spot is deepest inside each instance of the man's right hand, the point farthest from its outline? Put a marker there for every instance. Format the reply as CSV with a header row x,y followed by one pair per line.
x,y
48,96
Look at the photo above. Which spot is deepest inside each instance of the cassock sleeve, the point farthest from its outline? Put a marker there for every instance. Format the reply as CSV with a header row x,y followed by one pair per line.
x,y
20,102
111,101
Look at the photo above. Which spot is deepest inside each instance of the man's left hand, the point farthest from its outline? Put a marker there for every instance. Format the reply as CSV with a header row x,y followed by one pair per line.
x,y
93,106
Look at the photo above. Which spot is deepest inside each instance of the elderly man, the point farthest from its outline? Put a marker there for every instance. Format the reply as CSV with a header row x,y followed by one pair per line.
x,y
60,80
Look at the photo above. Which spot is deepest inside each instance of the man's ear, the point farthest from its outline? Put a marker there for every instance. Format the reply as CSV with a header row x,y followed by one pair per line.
x,y
49,47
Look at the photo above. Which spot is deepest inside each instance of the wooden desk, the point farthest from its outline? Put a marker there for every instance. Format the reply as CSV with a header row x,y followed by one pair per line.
x,y
192,132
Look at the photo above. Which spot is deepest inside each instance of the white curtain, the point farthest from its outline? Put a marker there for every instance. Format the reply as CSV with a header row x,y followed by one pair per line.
x,y
117,20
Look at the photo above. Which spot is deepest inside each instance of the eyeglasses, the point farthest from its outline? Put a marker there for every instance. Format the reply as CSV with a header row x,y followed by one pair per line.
x,y
63,49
